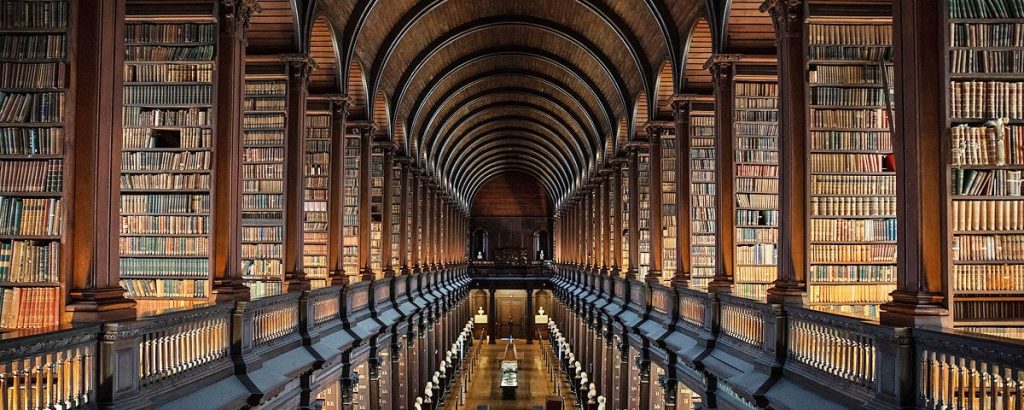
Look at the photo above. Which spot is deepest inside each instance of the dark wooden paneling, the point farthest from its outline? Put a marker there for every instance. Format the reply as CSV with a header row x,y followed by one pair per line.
x,y
511,194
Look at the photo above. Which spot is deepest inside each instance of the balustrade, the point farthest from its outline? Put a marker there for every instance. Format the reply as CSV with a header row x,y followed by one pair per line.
x,y
326,306
840,346
692,307
274,318
170,345
48,371
959,371
743,323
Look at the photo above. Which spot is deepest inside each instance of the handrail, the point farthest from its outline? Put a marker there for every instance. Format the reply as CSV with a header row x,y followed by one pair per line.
x,y
49,370
967,371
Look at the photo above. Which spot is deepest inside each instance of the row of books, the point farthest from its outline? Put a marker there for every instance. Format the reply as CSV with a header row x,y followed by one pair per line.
x,y
164,225
252,121
823,253
748,142
169,33
753,185
757,235
757,156
992,144
146,139
156,117
851,141
988,248
157,95
262,186
166,161
262,289
28,308
263,268
758,201
847,96
853,184
988,277
33,47
176,267
986,9
986,99
850,34
170,73
851,163
164,288
30,216
264,104
17,14
995,215
275,88
848,74
846,273
759,254
261,250
262,201
31,141
966,311
874,118
973,182
767,171
986,61
32,176
23,261
168,53
263,137
161,246
756,103
33,75
853,206
859,293
165,204
263,171
44,107
144,182
857,230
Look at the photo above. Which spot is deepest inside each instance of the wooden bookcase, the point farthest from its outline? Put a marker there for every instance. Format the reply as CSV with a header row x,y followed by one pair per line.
x,y
317,178
350,254
984,51
756,174
263,160
34,71
624,191
396,215
702,196
166,158
851,166
377,229
669,205
644,190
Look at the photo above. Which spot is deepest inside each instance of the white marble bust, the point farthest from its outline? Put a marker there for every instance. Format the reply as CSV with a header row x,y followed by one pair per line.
x,y
601,402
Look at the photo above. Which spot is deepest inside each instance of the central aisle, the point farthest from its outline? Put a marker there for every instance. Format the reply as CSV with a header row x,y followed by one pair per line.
x,y
534,384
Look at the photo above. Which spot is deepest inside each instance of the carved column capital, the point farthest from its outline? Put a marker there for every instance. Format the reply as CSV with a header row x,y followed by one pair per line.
x,y
236,16
787,16
720,66
300,65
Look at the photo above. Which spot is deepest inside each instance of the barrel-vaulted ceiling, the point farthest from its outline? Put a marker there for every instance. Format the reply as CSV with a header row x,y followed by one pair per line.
x,y
472,89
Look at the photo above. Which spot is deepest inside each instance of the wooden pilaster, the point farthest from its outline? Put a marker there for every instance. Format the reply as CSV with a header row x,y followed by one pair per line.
x,y
336,193
92,186
634,213
386,215
366,147
657,245
721,67
681,112
299,67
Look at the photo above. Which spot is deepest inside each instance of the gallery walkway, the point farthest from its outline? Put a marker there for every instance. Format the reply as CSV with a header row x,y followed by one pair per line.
x,y
534,382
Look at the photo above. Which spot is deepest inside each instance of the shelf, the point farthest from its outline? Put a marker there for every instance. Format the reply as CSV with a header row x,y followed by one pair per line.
x,y
30,237
990,262
32,194
830,263
853,217
813,242
150,256
171,277
7,284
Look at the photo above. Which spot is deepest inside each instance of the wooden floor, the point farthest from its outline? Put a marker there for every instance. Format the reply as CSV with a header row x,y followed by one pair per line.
x,y
534,385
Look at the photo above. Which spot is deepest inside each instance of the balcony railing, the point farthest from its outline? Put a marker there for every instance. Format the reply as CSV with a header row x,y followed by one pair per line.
x,y
857,359
127,364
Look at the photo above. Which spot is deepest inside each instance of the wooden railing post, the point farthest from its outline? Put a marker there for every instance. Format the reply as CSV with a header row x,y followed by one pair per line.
x,y
118,384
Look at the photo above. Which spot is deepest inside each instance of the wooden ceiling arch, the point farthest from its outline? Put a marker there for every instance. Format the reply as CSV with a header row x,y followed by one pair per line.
x,y
559,76
324,78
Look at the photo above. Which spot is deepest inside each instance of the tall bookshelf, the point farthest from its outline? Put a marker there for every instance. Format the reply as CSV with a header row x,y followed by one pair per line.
x,y
702,198
350,219
377,229
985,117
757,183
396,214
33,81
625,216
263,183
669,205
644,189
317,177
166,160
851,166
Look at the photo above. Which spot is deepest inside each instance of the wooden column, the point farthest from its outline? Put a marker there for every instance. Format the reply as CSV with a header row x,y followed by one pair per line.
x,y
615,182
386,214
634,212
790,286
93,187
336,193
416,243
920,191
681,112
721,67
366,148
404,230
226,209
654,273
299,67
602,222
428,225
